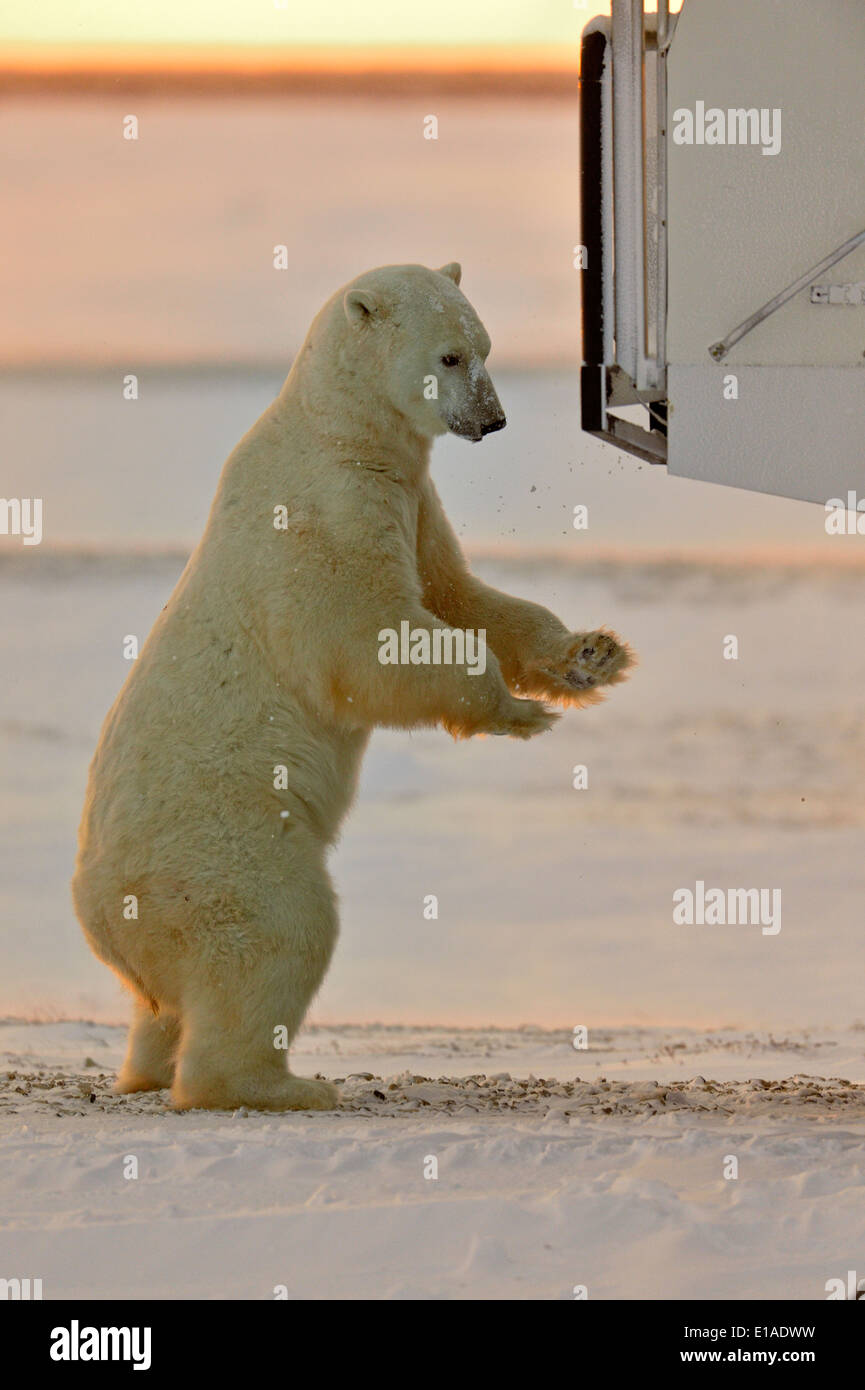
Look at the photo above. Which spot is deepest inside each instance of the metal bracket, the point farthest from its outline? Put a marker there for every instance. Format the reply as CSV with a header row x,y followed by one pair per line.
x,y
838,294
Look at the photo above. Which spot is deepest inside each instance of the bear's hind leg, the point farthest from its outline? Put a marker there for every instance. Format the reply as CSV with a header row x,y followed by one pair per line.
x,y
233,1049
236,1032
150,1051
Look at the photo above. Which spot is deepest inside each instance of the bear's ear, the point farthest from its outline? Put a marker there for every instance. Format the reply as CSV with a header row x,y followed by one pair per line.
x,y
361,306
453,270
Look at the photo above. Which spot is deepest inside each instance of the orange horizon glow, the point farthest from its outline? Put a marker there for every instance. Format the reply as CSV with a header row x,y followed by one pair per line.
x,y
26,59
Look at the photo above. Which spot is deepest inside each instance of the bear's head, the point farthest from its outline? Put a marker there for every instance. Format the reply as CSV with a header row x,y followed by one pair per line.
x,y
425,347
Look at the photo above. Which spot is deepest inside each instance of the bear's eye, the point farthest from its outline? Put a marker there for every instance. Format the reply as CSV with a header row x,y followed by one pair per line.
x,y
451,359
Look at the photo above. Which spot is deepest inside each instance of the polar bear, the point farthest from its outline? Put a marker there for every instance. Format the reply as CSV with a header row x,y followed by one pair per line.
x,y
231,755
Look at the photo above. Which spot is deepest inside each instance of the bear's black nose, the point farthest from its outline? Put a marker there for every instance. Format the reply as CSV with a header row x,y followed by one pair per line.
x,y
497,424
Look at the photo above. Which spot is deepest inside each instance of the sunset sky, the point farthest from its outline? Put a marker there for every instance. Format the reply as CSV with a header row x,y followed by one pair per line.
x,y
201,31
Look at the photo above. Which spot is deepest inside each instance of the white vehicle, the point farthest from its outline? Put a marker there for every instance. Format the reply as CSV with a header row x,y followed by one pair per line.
x,y
723,239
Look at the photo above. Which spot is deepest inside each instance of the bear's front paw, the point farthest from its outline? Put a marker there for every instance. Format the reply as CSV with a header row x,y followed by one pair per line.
x,y
586,661
523,719
596,658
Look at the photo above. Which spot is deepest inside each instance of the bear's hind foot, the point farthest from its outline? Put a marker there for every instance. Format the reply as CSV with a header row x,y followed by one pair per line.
x,y
286,1093
150,1052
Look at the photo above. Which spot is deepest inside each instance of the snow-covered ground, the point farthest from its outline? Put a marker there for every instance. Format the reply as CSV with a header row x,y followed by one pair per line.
x,y
615,1182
